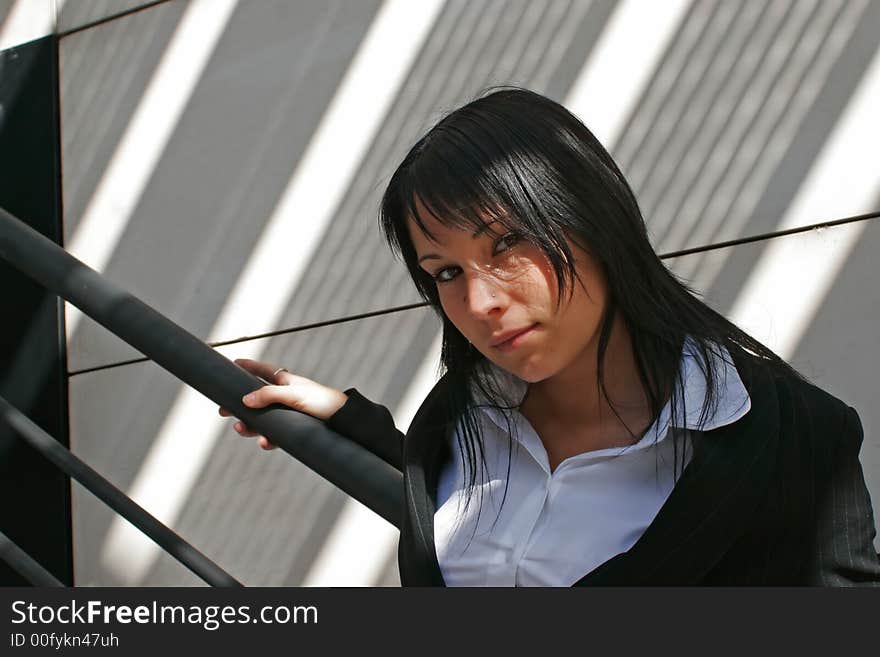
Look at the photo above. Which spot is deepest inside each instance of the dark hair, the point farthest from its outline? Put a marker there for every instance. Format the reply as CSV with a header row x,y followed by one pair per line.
x,y
525,161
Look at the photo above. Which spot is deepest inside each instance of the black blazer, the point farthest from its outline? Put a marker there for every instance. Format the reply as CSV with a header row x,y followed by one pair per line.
x,y
775,498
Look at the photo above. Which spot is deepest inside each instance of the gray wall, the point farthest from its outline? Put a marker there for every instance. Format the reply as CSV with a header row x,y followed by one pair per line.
x,y
741,105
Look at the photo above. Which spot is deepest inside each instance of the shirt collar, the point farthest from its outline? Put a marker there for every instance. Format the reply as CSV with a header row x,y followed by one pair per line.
x,y
732,400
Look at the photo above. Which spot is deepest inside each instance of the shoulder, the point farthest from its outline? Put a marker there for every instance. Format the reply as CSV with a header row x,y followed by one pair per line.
x,y
433,412
792,388
804,410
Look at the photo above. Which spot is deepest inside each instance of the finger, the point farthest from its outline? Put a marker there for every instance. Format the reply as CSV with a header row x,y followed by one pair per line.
x,y
264,443
242,429
265,371
223,412
267,395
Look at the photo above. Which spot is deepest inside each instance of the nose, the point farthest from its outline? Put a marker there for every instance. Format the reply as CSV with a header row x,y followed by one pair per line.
x,y
483,296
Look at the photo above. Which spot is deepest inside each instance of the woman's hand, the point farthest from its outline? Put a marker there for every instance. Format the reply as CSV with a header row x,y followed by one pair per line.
x,y
296,392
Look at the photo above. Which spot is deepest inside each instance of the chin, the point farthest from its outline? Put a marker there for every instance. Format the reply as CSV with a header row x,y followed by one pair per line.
x,y
534,378
531,372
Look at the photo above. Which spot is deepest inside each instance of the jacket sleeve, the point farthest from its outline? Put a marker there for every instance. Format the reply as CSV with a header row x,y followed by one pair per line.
x,y
370,425
846,521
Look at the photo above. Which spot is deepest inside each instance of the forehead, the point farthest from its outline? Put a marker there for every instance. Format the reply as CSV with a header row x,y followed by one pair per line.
x,y
430,230
445,237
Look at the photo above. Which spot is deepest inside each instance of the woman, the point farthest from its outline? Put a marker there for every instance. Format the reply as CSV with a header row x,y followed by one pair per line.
x,y
596,422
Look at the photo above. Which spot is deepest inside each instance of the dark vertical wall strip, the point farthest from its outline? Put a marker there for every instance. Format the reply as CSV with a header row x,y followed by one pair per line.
x,y
35,508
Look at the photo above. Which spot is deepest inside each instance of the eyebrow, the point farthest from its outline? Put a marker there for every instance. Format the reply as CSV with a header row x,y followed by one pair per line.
x,y
479,231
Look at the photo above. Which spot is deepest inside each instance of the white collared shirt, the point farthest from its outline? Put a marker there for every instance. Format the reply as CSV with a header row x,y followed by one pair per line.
x,y
555,527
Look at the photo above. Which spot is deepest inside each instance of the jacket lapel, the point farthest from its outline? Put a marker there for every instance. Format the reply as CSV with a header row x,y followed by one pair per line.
x,y
425,452
713,500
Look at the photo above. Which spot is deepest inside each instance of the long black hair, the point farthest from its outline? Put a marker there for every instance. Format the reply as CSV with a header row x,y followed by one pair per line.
x,y
523,160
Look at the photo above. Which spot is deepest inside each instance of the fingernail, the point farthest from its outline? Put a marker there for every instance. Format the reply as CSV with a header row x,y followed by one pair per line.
x,y
248,398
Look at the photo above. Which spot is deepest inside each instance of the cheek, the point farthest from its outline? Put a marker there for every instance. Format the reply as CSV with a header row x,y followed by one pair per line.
x,y
454,307
536,282
587,305
446,304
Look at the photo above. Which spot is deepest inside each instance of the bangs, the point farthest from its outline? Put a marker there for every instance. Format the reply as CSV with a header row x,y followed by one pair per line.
x,y
463,196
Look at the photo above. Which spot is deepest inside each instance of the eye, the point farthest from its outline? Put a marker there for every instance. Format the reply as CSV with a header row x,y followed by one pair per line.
x,y
445,275
507,241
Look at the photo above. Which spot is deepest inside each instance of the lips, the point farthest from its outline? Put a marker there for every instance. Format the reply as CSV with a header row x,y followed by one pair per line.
x,y
499,339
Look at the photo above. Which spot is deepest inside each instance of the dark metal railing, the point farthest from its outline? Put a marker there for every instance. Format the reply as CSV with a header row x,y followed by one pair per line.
x,y
346,464
24,564
73,467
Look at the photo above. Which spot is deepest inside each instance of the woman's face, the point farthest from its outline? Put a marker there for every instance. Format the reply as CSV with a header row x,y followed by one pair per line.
x,y
500,292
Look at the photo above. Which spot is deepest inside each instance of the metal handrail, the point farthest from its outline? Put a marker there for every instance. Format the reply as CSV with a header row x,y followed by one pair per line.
x,y
24,564
74,467
351,467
